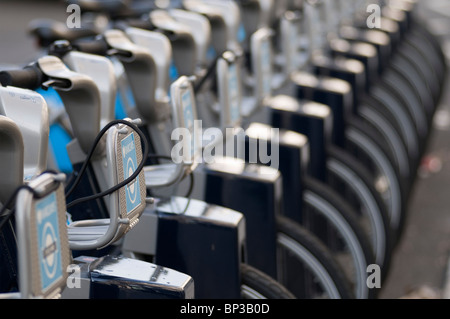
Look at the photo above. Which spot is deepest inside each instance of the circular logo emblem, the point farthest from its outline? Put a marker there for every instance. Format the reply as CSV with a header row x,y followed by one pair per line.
x,y
50,248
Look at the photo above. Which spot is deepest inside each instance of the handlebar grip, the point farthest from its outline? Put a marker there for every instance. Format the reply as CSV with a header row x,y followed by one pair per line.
x,y
30,77
95,46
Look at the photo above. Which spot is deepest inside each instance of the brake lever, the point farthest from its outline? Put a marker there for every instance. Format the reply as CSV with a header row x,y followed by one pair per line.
x,y
59,83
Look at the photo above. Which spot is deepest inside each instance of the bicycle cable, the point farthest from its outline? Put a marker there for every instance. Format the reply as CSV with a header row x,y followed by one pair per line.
x,y
209,73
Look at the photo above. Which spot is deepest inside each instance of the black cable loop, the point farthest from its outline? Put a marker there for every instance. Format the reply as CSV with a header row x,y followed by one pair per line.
x,y
88,158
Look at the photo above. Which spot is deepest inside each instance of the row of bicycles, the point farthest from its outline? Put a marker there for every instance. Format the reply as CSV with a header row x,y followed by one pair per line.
x,y
214,149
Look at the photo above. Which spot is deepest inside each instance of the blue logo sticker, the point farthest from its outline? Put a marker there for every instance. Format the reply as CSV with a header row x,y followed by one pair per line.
x,y
129,158
48,241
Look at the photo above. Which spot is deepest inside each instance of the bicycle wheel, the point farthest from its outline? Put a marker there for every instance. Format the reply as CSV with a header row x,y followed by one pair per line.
x,y
412,90
373,118
430,47
258,285
419,71
351,180
393,110
335,222
316,273
387,180
432,66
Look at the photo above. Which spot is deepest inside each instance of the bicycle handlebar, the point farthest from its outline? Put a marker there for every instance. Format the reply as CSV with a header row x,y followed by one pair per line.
x,y
97,46
30,77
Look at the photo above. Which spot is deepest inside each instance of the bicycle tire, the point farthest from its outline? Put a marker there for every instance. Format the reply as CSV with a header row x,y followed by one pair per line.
x,y
433,67
373,127
427,50
258,285
433,48
351,180
302,244
391,140
406,83
325,208
395,112
425,77
428,62
389,183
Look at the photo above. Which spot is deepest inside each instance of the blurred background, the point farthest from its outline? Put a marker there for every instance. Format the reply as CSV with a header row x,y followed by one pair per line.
x,y
420,267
